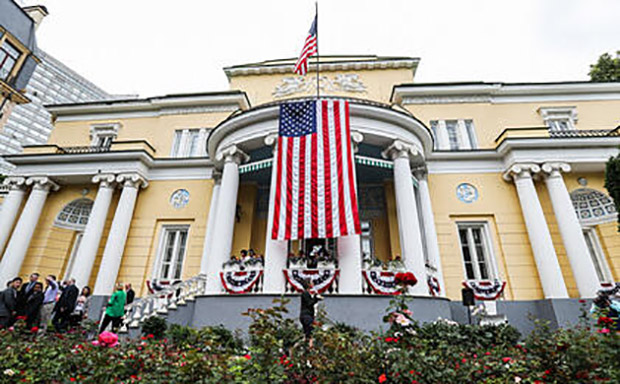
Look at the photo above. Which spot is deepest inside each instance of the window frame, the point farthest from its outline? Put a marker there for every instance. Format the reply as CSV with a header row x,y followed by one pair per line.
x,y
4,39
103,135
598,258
454,134
159,259
487,244
554,116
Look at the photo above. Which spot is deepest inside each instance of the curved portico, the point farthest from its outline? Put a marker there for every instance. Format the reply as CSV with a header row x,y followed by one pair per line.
x,y
389,145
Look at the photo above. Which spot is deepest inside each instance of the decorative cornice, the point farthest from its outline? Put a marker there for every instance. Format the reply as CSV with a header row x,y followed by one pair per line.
x,y
521,170
338,64
446,99
232,154
42,183
400,149
132,180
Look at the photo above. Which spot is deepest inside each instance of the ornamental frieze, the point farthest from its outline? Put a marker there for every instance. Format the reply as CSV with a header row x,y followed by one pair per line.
x,y
299,84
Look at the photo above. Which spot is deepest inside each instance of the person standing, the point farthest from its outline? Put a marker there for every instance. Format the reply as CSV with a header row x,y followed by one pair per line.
x,y
81,307
306,315
65,306
25,292
49,300
32,310
115,309
8,303
130,293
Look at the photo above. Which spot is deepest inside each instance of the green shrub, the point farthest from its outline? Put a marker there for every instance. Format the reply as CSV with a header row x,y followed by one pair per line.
x,y
155,326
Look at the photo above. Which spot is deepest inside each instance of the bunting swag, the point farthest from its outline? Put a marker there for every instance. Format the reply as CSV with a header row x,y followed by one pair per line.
x,y
486,289
610,288
322,279
237,282
382,282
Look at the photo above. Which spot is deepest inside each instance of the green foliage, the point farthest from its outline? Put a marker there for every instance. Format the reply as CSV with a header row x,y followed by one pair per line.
x,y
612,181
155,326
275,352
606,69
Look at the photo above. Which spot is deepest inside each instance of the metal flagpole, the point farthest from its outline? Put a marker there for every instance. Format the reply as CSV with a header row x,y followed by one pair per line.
x,y
318,88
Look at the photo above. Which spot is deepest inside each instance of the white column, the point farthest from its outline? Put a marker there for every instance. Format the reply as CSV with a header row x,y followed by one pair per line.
x,y
430,233
211,223
407,213
350,265
571,231
10,207
549,270
202,140
223,235
275,250
87,252
15,252
115,245
183,143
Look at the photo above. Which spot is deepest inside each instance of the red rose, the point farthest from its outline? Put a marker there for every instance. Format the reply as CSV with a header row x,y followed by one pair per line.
x,y
247,356
34,329
506,359
382,378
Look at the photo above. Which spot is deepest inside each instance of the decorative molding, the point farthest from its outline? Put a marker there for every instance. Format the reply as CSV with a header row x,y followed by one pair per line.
x,y
291,85
522,170
15,183
42,183
552,113
446,99
132,180
232,154
192,110
106,129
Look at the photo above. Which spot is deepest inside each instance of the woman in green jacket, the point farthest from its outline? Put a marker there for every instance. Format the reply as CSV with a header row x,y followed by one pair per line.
x,y
115,310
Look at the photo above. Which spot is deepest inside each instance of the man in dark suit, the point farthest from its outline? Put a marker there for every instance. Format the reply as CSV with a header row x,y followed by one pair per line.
x,y
65,306
25,292
130,293
8,303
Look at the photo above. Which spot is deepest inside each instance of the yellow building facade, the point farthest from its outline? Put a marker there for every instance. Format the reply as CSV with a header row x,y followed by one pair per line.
x,y
456,182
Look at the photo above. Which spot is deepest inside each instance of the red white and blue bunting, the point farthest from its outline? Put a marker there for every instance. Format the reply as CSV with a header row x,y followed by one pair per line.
x,y
485,289
322,279
237,282
382,282
610,288
434,288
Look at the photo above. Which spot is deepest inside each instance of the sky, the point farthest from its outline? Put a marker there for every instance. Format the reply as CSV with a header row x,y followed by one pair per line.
x,y
157,47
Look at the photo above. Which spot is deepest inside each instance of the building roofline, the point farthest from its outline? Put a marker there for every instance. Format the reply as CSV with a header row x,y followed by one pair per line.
x,y
234,98
499,90
328,63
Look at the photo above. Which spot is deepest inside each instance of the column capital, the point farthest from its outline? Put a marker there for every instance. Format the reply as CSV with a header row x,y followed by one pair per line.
x,y
400,149
421,172
15,183
232,154
42,183
520,171
132,180
555,169
106,180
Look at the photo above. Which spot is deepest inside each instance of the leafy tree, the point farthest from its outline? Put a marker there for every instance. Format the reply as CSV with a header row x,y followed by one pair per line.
x,y
606,69
612,181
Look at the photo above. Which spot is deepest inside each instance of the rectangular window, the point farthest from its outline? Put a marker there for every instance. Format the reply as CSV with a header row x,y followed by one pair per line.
x,y
102,135
476,251
9,55
171,253
188,143
453,135
597,255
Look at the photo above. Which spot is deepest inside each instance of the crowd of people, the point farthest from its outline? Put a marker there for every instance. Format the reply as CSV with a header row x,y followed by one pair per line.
x,y
246,255
62,304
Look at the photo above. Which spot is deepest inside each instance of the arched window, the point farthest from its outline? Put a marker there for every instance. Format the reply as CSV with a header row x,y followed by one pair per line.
x,y
592,206
75,214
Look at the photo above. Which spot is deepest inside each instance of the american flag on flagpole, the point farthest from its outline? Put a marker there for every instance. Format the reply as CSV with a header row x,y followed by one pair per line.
x,y
310,48
315,193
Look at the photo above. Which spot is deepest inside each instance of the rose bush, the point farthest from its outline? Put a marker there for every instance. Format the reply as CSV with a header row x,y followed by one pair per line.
x,y
274,351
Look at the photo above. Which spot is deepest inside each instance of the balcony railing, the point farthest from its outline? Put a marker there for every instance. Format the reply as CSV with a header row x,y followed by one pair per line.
x,y
545,132
116,146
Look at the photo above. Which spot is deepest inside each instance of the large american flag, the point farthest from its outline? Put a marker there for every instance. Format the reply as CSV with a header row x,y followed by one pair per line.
x,y
310,48
315,194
